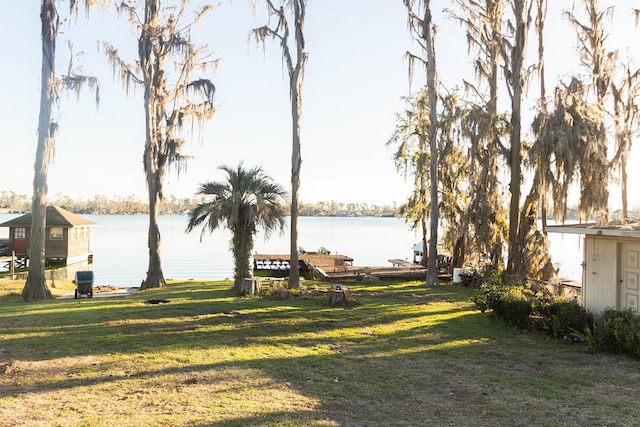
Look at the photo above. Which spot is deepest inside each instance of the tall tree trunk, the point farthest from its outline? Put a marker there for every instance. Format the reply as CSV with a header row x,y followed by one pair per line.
x,y
533,255
155,276
295,86
534,249
425,244
432,82
494,203
514,185
623,185
296,161
153,104
484,23
540,19
517,83
36,284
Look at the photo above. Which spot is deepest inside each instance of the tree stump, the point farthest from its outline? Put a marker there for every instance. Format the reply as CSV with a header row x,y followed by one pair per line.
x,y
339,294
251,286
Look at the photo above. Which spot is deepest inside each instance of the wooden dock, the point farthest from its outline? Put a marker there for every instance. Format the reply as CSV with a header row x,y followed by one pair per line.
x,y
311,264
325,266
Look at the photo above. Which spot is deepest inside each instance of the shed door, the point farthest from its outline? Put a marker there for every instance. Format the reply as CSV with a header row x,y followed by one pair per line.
x,y
629,289
20,240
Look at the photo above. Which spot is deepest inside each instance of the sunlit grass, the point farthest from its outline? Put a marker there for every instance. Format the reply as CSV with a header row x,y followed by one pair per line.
x,y
11,289
403,354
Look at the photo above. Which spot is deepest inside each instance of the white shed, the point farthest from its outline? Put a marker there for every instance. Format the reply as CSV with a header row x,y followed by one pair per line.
x,y
610,266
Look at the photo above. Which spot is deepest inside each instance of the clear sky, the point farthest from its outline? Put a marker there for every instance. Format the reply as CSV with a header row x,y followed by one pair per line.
x,y
354,81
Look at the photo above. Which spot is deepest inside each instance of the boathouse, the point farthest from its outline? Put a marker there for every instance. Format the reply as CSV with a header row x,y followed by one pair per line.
x,y
611,264
67,236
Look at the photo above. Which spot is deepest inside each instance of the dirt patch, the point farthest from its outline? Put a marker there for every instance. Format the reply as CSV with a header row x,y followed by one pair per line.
x,y
105,288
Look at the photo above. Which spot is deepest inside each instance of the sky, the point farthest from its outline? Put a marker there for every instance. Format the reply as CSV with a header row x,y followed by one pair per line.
x,y
353,86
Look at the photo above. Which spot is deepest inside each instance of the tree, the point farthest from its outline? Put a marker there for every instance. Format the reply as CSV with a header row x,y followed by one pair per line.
x,y
295,69
50,85
411,158
565,137
172,100
594,193
484,127
247,201
625,98
454,179
533,244
541,15
514,52
423,32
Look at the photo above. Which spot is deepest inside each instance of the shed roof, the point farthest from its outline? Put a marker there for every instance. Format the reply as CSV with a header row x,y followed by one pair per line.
x,y
56,217
614,229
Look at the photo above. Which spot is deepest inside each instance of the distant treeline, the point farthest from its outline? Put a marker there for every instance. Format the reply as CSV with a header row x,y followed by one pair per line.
x,y
11,202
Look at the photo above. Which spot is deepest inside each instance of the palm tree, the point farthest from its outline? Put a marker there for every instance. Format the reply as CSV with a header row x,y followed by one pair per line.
x,y
246,201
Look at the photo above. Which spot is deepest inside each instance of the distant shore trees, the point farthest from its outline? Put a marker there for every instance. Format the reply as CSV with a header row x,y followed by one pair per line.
x,y
10,202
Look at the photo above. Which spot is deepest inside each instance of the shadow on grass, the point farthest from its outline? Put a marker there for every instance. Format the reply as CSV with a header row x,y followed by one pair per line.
x,y
403,344
196,318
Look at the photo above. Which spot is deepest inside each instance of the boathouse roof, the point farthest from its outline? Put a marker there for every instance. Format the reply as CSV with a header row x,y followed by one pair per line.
x,y
56,217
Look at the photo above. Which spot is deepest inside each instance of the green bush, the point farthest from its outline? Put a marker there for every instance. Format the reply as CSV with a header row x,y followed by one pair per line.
x,y
516,307
520,305
620,331
490,294
513,304
561,317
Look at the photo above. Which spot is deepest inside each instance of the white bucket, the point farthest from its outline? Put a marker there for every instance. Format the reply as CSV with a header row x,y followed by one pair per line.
x,y
456,275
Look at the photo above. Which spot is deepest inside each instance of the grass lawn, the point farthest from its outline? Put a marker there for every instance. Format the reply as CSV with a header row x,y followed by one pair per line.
x,y
404,355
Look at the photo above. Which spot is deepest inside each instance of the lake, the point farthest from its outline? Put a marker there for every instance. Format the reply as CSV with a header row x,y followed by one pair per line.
x,y
119,245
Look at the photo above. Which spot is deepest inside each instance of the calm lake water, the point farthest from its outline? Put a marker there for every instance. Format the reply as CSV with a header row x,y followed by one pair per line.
x,y
119,245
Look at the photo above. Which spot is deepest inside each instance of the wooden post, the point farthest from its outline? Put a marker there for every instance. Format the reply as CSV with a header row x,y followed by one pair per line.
x,y
13,265
339,294
251,286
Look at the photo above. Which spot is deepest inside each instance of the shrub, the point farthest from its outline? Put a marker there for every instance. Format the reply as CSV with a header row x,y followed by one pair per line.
x,y
620,331
513,303
519,305
587,336
561,317
489,296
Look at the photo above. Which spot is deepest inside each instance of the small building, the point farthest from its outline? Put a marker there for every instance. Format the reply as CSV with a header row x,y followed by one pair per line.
x,y
611,264
67,236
